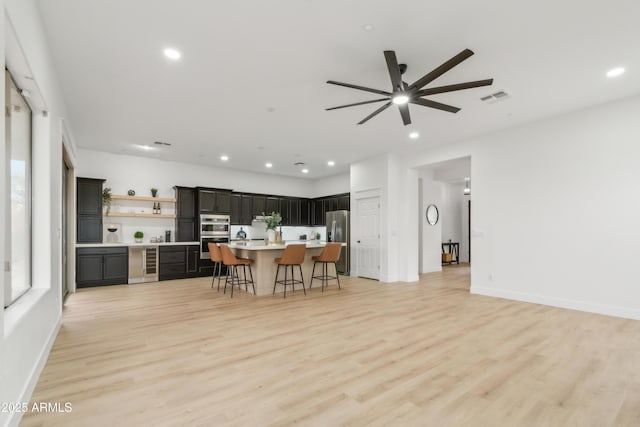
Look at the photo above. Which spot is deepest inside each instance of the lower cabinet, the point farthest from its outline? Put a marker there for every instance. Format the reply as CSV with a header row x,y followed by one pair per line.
x,y
102,266
178,262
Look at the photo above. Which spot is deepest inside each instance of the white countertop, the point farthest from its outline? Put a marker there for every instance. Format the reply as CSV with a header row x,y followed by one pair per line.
x,y
260,246
110,245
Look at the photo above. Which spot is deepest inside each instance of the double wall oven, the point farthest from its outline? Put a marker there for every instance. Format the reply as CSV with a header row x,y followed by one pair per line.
x,y
213,229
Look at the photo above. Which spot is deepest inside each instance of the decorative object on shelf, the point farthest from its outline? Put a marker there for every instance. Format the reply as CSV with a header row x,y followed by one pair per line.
x,y
112,233
138,235
131,193
106,199
154,192
272,222
432,214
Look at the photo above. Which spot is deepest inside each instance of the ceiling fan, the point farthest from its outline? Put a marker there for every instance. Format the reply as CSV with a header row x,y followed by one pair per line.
x,y
403,94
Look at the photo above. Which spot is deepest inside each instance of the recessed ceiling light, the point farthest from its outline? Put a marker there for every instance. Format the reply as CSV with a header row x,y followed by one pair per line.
x,y
172,53
224,158
615,72
144,147
268,165
331,163
414,135
400,99
367,27
305,170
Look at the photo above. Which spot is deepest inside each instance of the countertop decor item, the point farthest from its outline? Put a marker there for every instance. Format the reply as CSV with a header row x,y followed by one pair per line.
x,y
154,192
131,193
273,220
106,199
138,235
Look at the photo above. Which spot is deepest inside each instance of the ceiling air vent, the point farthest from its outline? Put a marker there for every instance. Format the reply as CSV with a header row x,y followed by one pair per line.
x,y
495,97
298,164
165,144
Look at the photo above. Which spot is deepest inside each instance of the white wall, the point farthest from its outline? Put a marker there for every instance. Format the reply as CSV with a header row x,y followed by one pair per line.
x,y
30,325
555,209
124,172
430,235
336,184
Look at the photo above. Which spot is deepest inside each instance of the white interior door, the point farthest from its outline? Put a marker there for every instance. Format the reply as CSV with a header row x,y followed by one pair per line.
x,y
368,237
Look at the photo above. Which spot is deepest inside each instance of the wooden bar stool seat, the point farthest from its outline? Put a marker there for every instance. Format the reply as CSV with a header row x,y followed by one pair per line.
x,y
216,258
330,255
232,262
293,255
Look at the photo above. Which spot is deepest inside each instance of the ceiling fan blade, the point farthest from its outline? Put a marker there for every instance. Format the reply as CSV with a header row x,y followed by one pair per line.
x,y
404,112
431,76
357,103
434,104
366,89
394,70
379,110
452,88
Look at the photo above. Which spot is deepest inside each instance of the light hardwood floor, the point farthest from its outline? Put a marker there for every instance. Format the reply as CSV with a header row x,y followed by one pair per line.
x,y
427,354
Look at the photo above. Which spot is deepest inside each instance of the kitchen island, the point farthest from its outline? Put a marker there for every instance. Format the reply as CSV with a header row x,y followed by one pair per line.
x,y
264,267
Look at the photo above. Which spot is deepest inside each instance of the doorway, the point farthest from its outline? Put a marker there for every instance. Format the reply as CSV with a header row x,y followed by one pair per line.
x,y
368,237
67,226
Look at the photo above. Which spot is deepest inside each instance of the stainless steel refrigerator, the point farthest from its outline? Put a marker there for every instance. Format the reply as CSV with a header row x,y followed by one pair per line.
x,y
338,231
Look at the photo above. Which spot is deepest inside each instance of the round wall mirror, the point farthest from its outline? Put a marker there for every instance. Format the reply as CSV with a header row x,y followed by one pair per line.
x,y
432,214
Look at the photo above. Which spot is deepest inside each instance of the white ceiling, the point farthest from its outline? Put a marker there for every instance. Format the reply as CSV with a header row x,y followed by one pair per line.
x,y
251,81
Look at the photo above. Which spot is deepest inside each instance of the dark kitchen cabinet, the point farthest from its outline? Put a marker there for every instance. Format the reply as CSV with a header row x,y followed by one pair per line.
x,y
246,209
236,209
101,266
185,214
89,210
241,209
344,202
178,262
185,202
259,205
318,212
330,204
294,212
214,201
272,205
285,211
305,209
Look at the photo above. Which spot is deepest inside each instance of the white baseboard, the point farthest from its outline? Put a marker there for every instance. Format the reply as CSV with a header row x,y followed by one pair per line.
x,y
432,270
609,310
27,392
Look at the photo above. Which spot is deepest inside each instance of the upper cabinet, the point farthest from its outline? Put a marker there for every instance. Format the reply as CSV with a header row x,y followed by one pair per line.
x,y
89,210
241,209
185,214
213,201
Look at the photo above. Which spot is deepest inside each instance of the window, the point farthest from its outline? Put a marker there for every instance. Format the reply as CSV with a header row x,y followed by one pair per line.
x,y
17,265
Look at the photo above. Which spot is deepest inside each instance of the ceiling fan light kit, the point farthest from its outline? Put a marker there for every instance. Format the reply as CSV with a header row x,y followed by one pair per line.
x,y
403,94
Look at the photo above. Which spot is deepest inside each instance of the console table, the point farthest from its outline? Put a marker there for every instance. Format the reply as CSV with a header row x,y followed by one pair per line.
x,y
450,253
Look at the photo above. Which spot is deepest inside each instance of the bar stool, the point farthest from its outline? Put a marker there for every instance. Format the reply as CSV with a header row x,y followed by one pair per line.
x,y
330,255
216,258
292,255
230,260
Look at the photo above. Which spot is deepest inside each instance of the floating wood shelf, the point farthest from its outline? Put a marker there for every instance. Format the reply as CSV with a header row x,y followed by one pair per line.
x,y
143,198
140,215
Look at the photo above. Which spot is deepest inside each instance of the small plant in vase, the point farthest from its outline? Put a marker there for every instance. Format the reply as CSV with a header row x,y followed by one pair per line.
x,y
273,221
106,199
154,192
138,235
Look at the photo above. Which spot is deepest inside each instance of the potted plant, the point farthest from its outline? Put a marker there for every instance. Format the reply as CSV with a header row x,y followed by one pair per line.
x,y
138,235
273,221
106,199
154,192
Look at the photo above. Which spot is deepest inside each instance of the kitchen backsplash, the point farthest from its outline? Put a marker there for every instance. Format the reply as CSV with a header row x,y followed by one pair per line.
x,y
288,233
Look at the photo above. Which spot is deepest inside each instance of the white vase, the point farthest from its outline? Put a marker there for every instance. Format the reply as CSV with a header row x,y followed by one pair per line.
x,y
272,235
